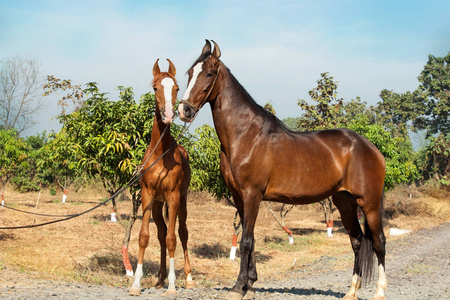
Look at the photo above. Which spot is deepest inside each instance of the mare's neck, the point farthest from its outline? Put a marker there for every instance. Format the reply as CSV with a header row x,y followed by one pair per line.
x,y
233,109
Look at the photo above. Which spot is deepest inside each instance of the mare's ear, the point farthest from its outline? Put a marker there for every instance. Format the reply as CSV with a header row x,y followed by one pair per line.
x,y
206,48
156,70
216,53
172,69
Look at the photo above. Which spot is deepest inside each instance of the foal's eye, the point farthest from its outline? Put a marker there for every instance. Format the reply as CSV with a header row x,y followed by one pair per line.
x,y
209,74
155,89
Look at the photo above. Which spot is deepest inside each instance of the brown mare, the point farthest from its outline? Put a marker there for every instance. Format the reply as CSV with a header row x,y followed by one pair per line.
x,y
262,160
167,181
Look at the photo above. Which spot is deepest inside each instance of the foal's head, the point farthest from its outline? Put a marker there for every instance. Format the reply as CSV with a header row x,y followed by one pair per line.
x,y
166,89
202,78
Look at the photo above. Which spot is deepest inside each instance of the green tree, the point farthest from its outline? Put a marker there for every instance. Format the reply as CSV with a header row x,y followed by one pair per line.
x,y
13,155
434,160
395,111
204,151
61,159
110,137
30,177
433,102
328,111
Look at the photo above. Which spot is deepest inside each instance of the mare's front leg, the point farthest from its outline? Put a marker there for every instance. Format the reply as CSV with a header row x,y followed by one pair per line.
x,y
143,241
247,275
158,218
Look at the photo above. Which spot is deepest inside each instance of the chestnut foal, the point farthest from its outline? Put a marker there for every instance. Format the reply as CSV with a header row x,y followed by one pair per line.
x,y
167,181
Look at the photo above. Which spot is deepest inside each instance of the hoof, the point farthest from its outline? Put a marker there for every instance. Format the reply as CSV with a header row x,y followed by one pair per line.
x,y
249,295
348,297
134,291
159,285
234,296
379,298
190,284
170,293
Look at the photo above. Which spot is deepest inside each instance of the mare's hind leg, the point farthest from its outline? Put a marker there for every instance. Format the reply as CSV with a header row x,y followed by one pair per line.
x,y
184,235
347,207
157,212
143,242
374,224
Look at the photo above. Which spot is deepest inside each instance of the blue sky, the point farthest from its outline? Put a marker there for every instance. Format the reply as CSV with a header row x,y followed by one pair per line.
x,y
276,49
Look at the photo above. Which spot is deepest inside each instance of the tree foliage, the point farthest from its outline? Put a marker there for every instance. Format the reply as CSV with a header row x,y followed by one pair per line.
x,y
395,111
73,96
110,137
204,151
13,156
327,112
433,101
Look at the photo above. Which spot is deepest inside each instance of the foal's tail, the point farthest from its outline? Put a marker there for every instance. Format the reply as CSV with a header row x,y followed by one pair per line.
x,y
366,251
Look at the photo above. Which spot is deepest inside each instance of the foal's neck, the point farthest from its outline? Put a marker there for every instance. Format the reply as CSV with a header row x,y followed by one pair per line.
x,y
158,128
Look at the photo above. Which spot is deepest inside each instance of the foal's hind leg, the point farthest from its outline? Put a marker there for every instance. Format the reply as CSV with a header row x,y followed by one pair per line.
x,y
347,207
157,212
184,235
143,242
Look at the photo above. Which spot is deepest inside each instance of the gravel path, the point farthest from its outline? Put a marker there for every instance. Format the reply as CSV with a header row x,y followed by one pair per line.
x,y
418,267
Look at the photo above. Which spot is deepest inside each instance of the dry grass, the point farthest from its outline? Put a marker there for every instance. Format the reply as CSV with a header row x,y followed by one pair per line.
x,y
87,248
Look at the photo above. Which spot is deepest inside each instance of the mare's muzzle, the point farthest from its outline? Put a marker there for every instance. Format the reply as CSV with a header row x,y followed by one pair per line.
x,y
187,111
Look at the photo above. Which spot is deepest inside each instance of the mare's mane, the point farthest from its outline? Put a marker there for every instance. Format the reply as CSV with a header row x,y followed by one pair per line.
x,y
274,120
266,114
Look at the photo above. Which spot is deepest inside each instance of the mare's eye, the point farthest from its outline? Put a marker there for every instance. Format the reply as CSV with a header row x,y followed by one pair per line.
x,y
209,74
155,89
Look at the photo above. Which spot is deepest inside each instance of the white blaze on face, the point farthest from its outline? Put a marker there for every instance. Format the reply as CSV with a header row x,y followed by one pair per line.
x,y
168,84
197,69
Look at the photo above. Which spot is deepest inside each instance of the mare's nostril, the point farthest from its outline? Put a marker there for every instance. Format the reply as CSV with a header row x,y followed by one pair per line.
x,y
187,111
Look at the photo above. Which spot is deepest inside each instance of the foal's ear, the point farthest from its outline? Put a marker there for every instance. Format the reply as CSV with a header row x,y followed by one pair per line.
x,y
216,52
156,70
206,48
172,69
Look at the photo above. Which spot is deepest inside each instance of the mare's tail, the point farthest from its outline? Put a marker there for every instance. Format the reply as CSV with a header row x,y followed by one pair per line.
x,y
366,252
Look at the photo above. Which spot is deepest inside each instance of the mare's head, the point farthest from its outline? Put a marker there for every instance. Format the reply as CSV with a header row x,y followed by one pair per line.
x,y
202,78
166,90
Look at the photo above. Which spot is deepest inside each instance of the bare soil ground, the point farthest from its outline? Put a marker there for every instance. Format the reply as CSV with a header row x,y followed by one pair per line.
x,y
84,252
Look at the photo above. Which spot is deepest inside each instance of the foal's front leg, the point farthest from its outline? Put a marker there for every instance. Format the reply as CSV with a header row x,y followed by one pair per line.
x,y
157,212
171,241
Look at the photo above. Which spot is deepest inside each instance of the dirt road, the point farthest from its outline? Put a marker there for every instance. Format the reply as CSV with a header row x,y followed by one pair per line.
x,y
418,267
